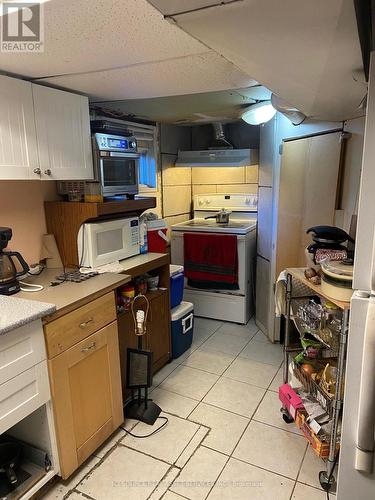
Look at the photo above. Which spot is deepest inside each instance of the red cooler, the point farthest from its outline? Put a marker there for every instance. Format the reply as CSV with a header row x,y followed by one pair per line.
x,y
157,239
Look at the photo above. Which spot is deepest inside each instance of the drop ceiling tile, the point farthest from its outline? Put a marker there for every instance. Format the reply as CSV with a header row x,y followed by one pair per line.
x,y
169,7
185,75
95,35
303,51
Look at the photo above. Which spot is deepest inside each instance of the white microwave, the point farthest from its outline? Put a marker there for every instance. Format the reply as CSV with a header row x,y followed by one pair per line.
x,y
107,241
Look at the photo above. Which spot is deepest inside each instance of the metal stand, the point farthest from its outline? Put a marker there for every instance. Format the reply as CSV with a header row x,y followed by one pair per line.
x,y
326,477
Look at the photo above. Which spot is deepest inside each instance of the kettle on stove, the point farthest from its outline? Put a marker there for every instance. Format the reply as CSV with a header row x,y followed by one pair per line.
x,y
8,272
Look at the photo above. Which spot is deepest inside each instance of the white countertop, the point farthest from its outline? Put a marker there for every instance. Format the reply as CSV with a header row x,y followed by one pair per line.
x,y
16,312
140,260
67,294
24,307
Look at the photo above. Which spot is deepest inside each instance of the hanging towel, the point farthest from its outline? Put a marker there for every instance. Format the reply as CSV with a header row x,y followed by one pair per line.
x,y
280,294
211,260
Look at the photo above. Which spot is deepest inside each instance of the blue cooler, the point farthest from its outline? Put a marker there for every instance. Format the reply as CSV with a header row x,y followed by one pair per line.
x,y
182,327
176,284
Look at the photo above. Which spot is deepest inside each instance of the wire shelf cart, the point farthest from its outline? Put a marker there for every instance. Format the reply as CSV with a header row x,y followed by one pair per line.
x,y
332,405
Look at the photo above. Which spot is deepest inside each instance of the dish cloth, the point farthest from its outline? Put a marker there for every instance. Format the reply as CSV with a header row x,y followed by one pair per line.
x,y
211,260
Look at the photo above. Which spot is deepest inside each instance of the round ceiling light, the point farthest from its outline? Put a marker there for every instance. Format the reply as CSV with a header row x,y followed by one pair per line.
x,y
259,113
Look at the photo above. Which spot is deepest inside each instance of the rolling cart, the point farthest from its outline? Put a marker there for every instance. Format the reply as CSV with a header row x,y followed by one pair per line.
x,y
333,406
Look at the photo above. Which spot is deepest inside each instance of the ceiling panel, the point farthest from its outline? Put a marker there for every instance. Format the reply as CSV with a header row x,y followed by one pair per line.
x,y
224,105
89,35
187,75
303,51
170,7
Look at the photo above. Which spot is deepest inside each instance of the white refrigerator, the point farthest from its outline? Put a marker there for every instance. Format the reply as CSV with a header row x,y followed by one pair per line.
x,y
356,475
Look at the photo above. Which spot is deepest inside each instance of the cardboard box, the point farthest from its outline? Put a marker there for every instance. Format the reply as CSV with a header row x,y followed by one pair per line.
x,y
321,448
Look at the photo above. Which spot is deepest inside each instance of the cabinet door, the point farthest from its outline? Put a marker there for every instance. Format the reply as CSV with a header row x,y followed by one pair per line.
x,y
158,336
18,150
86,393
63,134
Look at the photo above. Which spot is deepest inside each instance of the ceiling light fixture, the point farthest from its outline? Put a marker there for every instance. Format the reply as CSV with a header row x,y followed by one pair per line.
x,y
259,113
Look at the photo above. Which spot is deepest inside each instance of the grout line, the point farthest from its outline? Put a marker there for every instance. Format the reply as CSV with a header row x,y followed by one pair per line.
x,y
146,454
217,451
263,468
275,427
74,490
293,489
223,409
190,440
165,475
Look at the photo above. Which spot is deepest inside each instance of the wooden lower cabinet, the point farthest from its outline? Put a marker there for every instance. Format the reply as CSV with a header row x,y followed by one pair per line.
x,y
87,398
158,336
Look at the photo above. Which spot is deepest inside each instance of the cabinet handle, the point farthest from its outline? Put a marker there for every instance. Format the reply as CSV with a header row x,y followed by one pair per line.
x,y
86,323
89,347
37,171
48,171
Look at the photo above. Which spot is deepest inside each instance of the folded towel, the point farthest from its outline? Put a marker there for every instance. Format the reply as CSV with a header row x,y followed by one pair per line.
x,y
280,294
211,260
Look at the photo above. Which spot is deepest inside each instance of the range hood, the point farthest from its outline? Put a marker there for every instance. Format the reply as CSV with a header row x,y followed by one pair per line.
x,y
217,158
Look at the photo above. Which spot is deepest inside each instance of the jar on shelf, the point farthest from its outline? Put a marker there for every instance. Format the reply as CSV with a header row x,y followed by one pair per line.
x,y
127,294
93,192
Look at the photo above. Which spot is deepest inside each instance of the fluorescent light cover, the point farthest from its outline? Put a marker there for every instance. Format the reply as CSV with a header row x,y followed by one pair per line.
x,y
259,113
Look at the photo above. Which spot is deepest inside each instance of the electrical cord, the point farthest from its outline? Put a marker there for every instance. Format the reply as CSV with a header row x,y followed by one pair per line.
x,y
151,433
331,474
30,287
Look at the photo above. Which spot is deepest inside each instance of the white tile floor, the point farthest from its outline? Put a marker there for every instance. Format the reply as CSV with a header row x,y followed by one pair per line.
x,y
225,438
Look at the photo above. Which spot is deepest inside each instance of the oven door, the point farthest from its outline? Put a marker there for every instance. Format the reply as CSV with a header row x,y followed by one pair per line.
x,y
119,173
177,257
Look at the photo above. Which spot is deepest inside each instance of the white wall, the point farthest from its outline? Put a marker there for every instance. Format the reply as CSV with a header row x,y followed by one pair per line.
x,y
352,169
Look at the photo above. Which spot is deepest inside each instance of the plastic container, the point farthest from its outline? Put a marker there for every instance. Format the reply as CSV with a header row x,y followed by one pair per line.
x,y
182,327
93,192
176,284
157,239
143,245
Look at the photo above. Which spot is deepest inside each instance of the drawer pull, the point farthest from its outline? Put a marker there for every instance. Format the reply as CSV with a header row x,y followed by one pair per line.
x,y
89,347
85,323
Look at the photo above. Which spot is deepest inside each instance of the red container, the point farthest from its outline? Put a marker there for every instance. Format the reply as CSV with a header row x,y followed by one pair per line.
x,y
290,400
157,239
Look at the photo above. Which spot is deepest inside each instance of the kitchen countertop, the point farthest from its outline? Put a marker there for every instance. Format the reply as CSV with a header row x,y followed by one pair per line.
x,y
16,312
68,295
55,301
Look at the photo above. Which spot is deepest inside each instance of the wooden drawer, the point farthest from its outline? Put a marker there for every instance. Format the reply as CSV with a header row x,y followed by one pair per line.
x,y
21,349
66,331
23,394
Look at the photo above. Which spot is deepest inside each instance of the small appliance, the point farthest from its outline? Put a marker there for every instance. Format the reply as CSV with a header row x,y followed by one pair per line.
x,y
328,243
116,165
8,272
107,241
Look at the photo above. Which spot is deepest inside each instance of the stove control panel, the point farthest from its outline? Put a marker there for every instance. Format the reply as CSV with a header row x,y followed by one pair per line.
x,y
233,202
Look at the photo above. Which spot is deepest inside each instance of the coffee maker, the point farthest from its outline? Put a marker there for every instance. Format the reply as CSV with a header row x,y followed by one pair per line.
x,y
8,272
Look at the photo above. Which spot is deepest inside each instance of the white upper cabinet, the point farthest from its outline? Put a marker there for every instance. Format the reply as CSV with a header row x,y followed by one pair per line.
x,y
18,149
63,134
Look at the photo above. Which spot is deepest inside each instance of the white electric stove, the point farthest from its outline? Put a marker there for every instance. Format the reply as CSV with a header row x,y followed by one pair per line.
x,y
225,305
